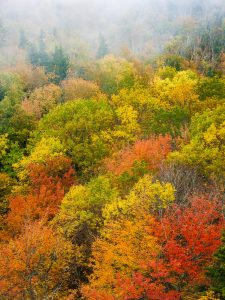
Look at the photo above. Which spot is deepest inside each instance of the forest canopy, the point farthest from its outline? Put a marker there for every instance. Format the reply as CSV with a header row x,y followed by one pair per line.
x,y
112,150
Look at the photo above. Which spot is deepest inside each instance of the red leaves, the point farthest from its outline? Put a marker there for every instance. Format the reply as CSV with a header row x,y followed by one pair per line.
x,y
49,182
152,151
55,170
187,237
190,235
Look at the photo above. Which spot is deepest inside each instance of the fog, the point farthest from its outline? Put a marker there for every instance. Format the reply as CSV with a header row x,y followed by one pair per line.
x,y
143,26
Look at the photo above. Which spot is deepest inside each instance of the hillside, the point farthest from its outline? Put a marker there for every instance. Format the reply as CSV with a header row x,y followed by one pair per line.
x,y
112,150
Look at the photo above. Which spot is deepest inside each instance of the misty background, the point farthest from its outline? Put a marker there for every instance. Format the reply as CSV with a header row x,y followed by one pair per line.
x,y
146,27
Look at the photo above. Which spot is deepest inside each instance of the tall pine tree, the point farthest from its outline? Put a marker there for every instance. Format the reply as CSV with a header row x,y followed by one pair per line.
x,y
103,48
59,65
23,40
43,56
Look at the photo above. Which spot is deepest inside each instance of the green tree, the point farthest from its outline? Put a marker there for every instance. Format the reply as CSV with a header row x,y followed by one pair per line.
x,y
80,215
80,219
102,48
217,271
33,54
5,189
22,40
169,121
59,65
43,56
211,88
206,147
80,126
11,86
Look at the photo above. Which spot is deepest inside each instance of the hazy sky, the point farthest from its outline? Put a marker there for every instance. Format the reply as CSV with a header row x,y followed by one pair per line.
x,y
135,23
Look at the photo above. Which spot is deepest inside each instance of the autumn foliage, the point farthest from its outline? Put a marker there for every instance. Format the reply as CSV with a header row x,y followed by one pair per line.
x,y
49,181
112,170
34,265
162,258
152,151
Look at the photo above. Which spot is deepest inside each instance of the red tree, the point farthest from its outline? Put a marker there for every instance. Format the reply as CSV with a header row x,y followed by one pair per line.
x,y
190,235
49,182
152,151
187,237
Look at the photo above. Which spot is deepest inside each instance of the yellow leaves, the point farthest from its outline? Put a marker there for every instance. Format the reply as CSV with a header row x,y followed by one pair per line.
x,y
126,128
3,144
83,205
46,147
210,135
126,114
128,119
156,195
215,134
210,295
206,148
73,207
138,97
179,90
118,67
146,195
127,244
125,247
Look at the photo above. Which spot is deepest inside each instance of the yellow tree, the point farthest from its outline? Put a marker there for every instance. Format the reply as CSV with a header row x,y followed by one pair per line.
x,y
179,90
127,244
206,148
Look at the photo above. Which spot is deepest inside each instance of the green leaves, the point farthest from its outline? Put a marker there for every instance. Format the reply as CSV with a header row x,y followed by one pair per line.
x,y
81,209
206,148
217,271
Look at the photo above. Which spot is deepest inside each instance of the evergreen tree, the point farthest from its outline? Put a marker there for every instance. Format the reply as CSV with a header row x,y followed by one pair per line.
x,y
2,35
103,48
217,271
59,65
23,40
41,41
43,56
33,55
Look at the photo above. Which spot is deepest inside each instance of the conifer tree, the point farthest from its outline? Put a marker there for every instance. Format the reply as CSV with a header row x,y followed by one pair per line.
x,y
23,40
103,48
59,65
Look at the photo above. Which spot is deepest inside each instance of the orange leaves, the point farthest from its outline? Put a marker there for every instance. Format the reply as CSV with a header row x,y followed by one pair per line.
x,y
49,181
55,170
34,260
156,258
138,287
120,258
34,264
152,151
